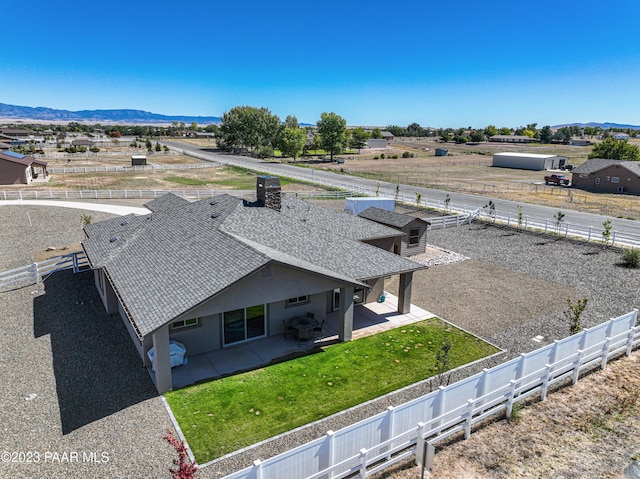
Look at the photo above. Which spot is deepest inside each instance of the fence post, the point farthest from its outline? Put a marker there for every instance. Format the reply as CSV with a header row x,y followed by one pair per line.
x,y
605,352
509,218
467,428
390,428
566,230
363,463
613,238
510,397
420,445
545,381
257,465
589,236
577,364
36,272
330,436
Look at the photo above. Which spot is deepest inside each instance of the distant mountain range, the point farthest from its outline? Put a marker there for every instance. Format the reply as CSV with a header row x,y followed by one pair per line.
x,y
604,126
14,112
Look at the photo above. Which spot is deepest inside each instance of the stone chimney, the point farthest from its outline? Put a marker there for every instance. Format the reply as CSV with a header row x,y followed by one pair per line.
x,y
268,191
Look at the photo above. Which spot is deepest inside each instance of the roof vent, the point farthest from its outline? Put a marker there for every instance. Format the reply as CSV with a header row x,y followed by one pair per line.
x,y
124,223
214,202
113,239
215,215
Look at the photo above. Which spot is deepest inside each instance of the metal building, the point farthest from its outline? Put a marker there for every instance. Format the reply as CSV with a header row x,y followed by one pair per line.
x,y
529,161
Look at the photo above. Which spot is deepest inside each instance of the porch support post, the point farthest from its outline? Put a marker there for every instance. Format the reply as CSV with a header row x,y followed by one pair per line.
x,y
162,360
404,292
345,314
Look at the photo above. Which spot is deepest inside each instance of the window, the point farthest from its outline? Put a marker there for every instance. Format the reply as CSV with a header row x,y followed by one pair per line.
x,y
414,236
298,300
185,323
615,179
597,181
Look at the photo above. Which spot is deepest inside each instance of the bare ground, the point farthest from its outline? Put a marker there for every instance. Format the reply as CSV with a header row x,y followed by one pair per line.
x,y
588,430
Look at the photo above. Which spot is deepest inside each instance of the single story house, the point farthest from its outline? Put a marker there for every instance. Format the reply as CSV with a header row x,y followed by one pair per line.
x,y
414,238
580,142
16,168
529,161
621,136
607,176
16,132
512,139
222,271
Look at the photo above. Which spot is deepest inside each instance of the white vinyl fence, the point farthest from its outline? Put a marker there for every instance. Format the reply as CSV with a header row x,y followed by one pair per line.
x,y
374,444
116,169
36,272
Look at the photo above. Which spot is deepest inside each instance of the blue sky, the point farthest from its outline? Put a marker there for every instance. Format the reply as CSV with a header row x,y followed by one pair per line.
x,y
443,64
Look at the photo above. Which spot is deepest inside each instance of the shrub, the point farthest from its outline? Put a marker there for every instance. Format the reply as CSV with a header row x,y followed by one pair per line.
x,y
376,157
95,149
395,157
631,258
382,156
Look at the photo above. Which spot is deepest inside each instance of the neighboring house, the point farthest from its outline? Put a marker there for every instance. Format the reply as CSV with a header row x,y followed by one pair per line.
x,y
512,139
223,271
4,146
414,239
16,133
387,135
621,136
529,161
20,169
608,176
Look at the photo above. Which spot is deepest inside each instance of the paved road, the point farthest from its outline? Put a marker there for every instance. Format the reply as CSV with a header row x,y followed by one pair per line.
x,y
460,200
115,209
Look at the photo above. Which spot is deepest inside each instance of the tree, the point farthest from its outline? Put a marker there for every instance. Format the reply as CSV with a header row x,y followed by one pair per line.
x,y
332,129
559,217
505,130
546,135
574,314
477,136
291,141
376,133
247,128
415,129
606,232
359,138
490,130
291,122
613,149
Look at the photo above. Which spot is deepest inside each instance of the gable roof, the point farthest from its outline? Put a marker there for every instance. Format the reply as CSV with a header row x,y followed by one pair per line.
x,y
14,157
166,263
166,202
390,218
594,165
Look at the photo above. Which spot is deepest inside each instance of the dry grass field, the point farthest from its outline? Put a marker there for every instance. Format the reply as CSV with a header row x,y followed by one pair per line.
x,y
468,169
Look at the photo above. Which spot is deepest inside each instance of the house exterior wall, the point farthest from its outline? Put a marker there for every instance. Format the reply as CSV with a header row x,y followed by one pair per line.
x,y
421,247
206,336
13,173
604,180
105,290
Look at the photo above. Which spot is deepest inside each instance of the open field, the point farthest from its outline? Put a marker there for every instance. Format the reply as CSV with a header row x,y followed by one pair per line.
x,y
469,170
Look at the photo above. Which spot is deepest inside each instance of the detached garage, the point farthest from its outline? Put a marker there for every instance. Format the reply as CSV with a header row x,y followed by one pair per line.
x,y
529,161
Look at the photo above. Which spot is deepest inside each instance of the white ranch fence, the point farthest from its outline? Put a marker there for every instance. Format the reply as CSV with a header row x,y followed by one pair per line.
x,y
401,432
116,169
37,272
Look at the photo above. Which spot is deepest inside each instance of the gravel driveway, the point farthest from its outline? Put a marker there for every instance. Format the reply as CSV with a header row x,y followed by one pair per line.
x,y
74,383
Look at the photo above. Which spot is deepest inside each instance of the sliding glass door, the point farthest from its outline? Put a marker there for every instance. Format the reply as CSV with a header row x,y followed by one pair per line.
x,y
244,324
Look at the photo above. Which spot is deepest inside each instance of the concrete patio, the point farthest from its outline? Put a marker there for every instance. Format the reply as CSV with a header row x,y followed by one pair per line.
x,y
368,319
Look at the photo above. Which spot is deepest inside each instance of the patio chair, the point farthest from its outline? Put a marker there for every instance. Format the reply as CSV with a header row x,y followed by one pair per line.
x,y
305,334
318,331
287,331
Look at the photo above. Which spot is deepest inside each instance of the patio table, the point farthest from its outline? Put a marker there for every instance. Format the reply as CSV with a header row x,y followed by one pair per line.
x,y
304,323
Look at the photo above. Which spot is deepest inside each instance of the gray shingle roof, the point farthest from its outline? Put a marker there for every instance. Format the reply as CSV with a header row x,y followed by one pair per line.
x,y
342,223
594,165
166,202
168,262
390,218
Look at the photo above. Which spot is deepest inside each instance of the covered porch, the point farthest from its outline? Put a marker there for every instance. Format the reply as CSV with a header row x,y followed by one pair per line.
x,y
368,319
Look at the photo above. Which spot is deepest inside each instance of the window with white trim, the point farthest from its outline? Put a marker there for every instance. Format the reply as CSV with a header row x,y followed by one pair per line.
x,y
414,236
185,323
304,299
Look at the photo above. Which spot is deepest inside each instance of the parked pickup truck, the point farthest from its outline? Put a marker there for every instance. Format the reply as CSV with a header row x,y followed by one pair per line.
x,y
556,180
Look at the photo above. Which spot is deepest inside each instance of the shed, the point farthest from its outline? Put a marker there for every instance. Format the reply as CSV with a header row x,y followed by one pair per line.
x,y
138,160
414,239
358,205
529,161
442,151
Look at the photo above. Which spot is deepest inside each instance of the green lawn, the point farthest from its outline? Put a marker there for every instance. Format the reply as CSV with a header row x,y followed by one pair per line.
x,y
227,414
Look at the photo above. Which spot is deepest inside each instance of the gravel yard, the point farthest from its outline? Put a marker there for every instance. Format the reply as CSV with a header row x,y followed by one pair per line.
x,y
73,381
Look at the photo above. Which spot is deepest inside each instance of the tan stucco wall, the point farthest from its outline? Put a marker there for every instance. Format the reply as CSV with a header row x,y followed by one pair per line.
x,y
13,173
